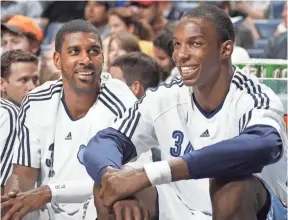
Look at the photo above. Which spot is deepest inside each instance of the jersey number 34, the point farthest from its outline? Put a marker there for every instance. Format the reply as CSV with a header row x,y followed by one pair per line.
x,y
175,151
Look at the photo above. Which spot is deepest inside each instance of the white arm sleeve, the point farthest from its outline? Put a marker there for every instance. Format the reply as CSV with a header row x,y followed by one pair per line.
x,y
71,191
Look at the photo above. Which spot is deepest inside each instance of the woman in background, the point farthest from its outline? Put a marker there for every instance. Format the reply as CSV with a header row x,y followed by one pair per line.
x,y
120,44
122,20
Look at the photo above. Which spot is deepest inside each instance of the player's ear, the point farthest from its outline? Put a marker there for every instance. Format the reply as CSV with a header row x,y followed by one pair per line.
x,y
227,49
3,84
137,89
57,60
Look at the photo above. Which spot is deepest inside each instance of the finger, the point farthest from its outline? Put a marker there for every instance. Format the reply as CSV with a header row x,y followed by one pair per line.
x,y
24,211
4,198
118,213
16,208
7,205
146,214
128,213
137,213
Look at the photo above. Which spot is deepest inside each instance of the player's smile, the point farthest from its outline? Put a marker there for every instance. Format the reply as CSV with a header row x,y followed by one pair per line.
x,y
189,72
85,75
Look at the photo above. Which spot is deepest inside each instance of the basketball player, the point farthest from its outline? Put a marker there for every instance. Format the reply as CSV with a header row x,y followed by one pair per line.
x,y
54,120
215,122
18,76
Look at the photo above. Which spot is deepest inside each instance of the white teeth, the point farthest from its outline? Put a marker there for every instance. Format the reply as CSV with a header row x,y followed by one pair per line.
x,y
85,73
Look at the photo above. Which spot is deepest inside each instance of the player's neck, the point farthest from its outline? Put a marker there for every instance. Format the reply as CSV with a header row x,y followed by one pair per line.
x,y
78,104
213,94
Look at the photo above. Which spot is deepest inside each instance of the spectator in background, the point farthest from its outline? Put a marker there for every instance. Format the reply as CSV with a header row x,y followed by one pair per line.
x,y
96,13
120,44
246,33
255,9
19,75
277,47
21,32
31,9
138,71
149,10
123,20
163,50
282,27
62,11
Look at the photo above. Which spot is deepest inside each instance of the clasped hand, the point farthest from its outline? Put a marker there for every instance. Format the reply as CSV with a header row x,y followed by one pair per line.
x,y
15,205
120,184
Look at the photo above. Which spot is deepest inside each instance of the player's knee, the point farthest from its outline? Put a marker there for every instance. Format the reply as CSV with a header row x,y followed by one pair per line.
x,y
236,199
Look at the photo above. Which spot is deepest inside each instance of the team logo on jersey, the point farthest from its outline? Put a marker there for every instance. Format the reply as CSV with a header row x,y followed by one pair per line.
x,y
69,136
205,134
81,153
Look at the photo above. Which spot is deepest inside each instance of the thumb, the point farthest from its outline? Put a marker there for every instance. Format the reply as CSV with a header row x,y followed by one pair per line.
x,y
13,193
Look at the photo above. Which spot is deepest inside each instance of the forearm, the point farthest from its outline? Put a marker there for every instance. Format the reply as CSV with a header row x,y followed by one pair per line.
x,y
255,14
19,183
102,212
251,25
70,191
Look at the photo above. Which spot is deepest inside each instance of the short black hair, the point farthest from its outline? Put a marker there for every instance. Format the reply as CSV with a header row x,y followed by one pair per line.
x,y
15,56
222,22
74,26
164,40
137,66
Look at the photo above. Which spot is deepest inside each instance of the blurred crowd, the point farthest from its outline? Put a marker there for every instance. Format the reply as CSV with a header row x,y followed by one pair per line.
x,y
131,26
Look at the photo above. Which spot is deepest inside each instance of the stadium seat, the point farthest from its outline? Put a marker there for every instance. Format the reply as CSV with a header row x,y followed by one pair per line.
x,y
256,53
276,9
266,28
261,44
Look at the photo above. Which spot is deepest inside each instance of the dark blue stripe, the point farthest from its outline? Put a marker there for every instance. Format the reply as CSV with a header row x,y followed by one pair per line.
x,y
130,122
135,125
8,144
6,174
113,103
124,121
108,106
243,122
135,108
249,118
115,97
26,105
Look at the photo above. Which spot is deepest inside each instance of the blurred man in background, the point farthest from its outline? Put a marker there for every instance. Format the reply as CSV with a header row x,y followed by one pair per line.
x,y
19,75
138,71
21,32
149,11
96,12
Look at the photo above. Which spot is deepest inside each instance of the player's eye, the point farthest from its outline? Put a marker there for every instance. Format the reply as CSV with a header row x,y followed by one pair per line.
x,y
73,51
176,44
95,51
197,44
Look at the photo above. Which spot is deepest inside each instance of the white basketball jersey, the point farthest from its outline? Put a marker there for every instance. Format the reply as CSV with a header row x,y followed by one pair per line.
x,y
8,122
170,118
50,139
